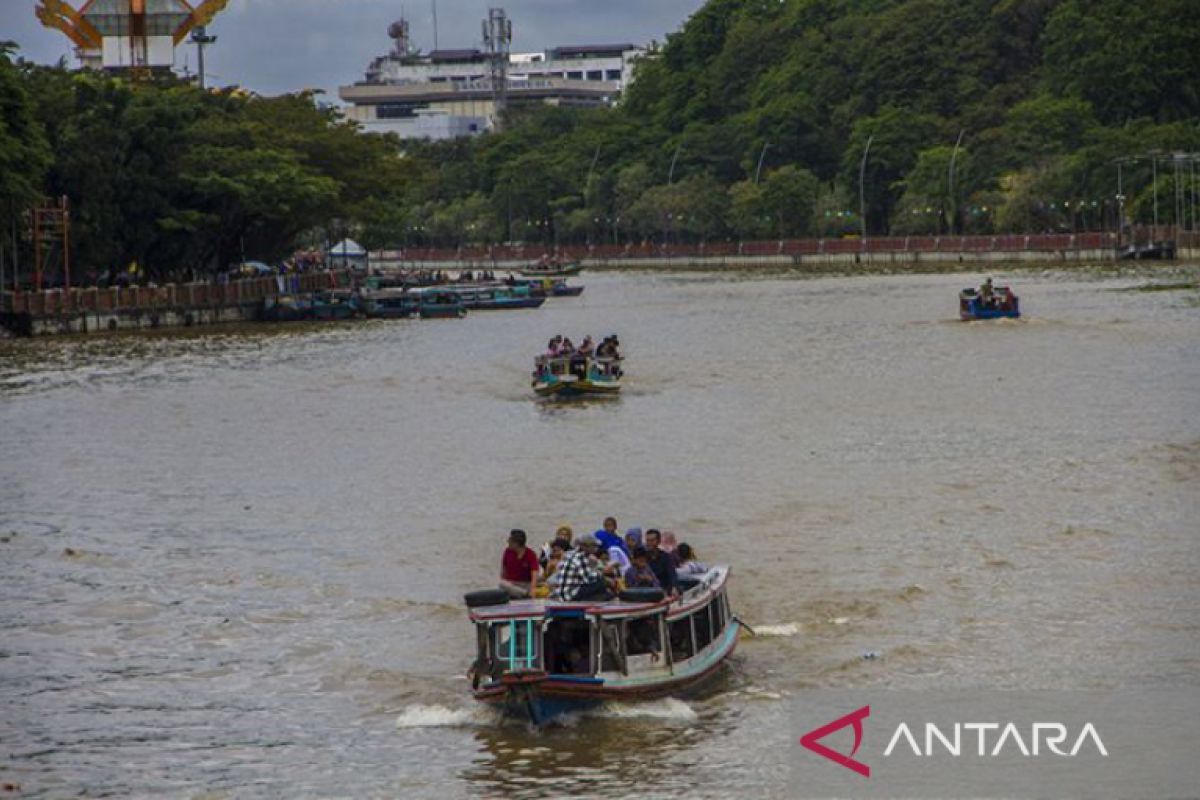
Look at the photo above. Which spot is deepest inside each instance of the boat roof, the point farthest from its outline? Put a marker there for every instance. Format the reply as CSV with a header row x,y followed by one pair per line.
x,y
710,583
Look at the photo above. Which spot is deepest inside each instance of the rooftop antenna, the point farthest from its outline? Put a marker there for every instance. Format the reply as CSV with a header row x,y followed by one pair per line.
x,y
435,39
497,37
201,39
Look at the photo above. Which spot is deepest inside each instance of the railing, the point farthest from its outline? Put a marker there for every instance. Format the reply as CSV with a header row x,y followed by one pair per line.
x,y
999,243
244,291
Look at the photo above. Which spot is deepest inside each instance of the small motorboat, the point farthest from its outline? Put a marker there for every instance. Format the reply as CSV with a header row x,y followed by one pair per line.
x,y
552,269
391,303
576,376
1003,303
539,659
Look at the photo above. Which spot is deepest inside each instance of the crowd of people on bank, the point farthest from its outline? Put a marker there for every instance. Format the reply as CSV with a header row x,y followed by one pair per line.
x,y
596,566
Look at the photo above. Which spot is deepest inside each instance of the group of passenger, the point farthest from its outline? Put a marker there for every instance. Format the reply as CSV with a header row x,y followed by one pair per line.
x,y
561,346
596,566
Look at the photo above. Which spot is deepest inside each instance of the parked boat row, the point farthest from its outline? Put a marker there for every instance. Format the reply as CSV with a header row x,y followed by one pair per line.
x,y
382,299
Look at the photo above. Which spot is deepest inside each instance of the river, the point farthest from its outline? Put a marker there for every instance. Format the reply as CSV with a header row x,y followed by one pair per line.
x,y
232,560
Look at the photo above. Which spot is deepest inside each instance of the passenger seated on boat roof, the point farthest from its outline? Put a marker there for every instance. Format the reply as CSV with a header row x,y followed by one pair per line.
x,y
671,545
640,574
562,536
579,573
567,347
586,347
660,562
558,551
607,535
633,539
688,565
519,567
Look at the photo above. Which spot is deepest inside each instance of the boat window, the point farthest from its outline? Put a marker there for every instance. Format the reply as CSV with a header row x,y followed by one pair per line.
x,y
641,636
515,644
568,647
681,639
703,627
611,657
718,615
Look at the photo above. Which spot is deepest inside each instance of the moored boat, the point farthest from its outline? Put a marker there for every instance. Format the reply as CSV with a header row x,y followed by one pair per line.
x,y
553,287
440,304
539,659
575,375
1003,303
324,306
496,298
552,269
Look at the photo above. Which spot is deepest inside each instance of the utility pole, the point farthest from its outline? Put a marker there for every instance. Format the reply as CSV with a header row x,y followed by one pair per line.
x,y
201,39
497,36
950,181
862,194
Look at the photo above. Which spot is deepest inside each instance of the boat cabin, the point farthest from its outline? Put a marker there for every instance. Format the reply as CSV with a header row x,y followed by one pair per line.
x,y
631,644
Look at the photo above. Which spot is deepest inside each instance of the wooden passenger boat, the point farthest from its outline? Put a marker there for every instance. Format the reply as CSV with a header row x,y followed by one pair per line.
x,y
575,376
553,287
538,659
403,303
496,297
1003,304
552,269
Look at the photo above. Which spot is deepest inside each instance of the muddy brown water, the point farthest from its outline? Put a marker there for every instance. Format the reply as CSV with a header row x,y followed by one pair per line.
x,y
231,561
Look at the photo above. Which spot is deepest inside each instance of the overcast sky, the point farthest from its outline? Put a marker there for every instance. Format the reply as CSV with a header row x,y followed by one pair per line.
x,y
274,46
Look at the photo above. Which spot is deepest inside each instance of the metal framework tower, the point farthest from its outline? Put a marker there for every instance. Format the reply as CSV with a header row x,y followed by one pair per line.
x,y
497,37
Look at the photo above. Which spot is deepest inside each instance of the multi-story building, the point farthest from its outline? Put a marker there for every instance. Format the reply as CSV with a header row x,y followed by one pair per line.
x,y
449,93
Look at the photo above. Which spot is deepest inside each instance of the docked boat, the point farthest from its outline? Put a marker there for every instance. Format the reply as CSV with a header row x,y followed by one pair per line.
x,y
1002,304
324,306
553,287
496,298
539,659
576,376
439,303
552,269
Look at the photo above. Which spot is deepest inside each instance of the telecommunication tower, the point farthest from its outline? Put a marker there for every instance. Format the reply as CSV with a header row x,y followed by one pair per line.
x,y
497,37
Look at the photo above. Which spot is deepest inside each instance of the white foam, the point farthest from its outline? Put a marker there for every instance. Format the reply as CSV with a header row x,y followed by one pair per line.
x,y
420,716
669,708
783,629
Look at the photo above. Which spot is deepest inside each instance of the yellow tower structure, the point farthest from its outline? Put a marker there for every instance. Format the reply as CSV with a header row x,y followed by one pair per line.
x,y
127,34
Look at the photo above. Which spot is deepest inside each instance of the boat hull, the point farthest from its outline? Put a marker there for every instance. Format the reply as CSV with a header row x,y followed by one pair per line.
x,y
584,388
556,272
976,309
541,698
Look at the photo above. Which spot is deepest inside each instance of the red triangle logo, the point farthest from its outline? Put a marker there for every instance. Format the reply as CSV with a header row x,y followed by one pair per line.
x,y
812,740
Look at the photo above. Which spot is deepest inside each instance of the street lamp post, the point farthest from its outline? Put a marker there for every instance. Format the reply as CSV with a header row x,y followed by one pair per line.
x,y
953,201
862,195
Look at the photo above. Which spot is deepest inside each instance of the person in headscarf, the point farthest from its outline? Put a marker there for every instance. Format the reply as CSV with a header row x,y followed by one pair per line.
x,y
633,539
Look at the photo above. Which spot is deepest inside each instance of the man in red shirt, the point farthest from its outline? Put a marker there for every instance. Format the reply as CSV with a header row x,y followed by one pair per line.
x,y
519,567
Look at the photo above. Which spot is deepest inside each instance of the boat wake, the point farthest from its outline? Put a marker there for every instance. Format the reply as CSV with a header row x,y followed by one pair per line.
x,y
669,708
422,716
782,629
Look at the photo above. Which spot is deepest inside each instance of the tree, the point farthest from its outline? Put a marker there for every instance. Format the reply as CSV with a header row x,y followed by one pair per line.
x,y
24,152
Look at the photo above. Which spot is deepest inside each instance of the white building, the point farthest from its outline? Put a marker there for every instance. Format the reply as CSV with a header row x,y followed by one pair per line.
x,y
449,93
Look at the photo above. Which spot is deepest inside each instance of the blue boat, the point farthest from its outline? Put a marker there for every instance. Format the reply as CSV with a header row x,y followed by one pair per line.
x,y
1002,304
496,298
539,659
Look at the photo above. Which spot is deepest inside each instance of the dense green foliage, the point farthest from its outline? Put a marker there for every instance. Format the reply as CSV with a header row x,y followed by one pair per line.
x,y
172,178
1047,95
750,122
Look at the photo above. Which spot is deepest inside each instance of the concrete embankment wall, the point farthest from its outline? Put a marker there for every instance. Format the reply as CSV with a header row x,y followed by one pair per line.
x,y
102,310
